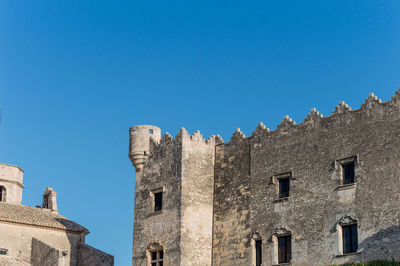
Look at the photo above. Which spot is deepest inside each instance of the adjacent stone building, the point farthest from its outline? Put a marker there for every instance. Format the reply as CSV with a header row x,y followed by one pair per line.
x,y
39,236
325,191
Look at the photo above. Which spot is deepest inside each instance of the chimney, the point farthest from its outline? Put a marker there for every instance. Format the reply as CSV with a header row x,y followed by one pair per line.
x,y
49,200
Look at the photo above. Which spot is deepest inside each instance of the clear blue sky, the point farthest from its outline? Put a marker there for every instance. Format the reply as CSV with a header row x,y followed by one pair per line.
x,y
75,75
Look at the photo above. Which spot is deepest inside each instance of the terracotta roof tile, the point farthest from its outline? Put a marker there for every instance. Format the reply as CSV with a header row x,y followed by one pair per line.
x,y
37,216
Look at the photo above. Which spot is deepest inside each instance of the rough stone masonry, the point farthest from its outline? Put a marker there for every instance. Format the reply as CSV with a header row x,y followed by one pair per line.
x,y
325,191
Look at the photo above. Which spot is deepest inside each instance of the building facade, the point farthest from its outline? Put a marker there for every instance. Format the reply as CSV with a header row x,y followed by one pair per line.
x,y
39,236
322,192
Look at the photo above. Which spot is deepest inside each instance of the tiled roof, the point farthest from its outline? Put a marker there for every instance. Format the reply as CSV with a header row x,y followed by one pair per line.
x,y
37,216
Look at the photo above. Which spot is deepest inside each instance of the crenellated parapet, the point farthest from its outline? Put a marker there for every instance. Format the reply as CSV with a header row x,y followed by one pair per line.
x,y
144,140
313,115
372,108
396,97
371,102
341,108
286,123
238,136
261,129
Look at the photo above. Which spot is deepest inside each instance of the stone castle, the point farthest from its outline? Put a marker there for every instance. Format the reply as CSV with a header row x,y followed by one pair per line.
x,y
322,192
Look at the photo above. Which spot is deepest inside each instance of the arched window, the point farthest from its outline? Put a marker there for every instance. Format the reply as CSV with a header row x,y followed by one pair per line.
x,y
282,246
256,242
347,230
3,193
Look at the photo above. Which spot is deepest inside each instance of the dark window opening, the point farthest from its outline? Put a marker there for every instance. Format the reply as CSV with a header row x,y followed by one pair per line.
x,y
350,241
258,252
157,258
3,251
158,201
3,193
46,202
348,173
284,249
284,188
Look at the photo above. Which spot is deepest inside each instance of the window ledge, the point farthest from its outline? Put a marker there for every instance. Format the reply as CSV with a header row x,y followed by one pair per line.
x,y
155,213
347,186
281,200
348,254
280,264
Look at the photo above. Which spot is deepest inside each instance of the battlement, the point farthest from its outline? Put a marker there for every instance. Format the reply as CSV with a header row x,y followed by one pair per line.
x,y
372,109
143,139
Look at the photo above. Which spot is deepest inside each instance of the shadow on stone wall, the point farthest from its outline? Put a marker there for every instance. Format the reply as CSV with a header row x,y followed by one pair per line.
x,y
44,255
383,245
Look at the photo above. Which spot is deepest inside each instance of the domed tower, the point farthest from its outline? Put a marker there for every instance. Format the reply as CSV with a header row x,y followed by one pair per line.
x,y
139,143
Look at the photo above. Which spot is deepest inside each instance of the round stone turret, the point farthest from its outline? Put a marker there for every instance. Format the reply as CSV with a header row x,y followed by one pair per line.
x,y
139,143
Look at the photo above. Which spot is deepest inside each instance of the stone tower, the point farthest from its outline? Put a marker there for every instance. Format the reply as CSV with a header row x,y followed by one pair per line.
x,y
173,197
11,183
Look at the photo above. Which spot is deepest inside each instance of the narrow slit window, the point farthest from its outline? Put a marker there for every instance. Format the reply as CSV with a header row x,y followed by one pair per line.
x,y
284,187
284,249
348,173
158,201
258,247
350,238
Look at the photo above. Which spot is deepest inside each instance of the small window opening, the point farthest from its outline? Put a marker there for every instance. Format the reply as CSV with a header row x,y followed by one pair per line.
x,y
284,187
2,193
158,201
284,249
350,241
348,173
133,131
151,131
258,247
157,258
46,202
3,251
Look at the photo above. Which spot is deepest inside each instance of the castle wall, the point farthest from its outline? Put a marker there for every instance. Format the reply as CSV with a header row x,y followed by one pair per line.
x,y
197,199
231,203
90,256
162,170
247,203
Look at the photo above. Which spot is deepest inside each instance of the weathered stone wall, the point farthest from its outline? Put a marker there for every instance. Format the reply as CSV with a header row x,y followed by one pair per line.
x,y
11,178
17,239
162,170
89,256
44,255
317,202
197,199
183,168
231,202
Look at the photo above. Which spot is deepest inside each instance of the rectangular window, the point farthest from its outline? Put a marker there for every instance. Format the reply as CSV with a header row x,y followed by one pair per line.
x,y
258,252
157,258
348,173
284,249
284,187
158,201
3,251
350,241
